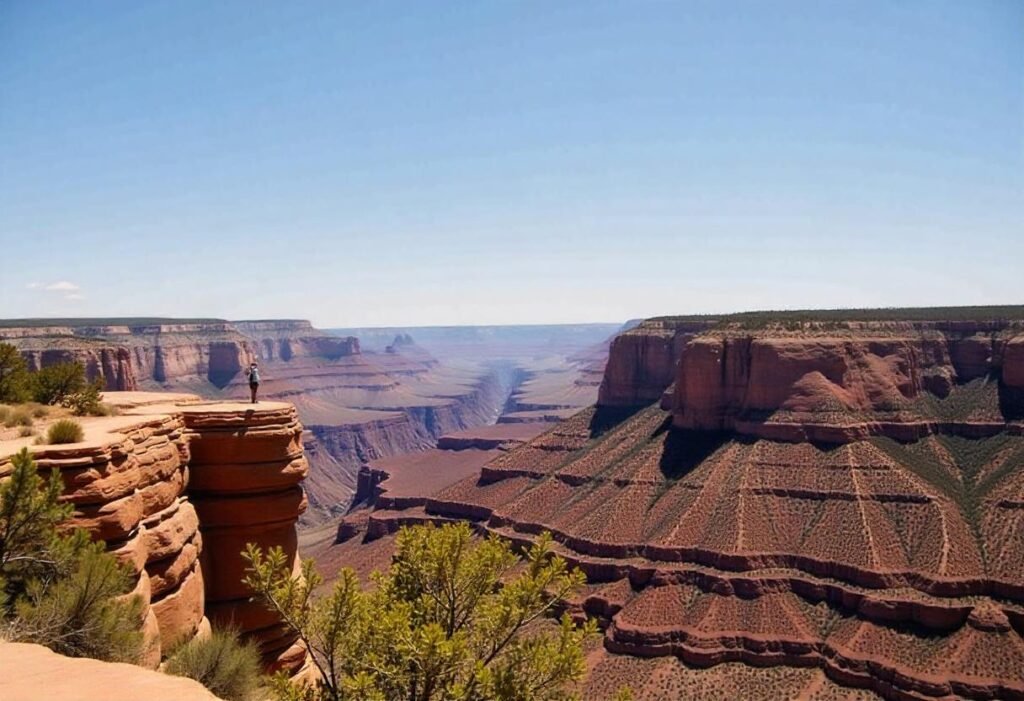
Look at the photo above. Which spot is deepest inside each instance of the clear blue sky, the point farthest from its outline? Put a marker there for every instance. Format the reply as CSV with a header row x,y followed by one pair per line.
x,y
500,162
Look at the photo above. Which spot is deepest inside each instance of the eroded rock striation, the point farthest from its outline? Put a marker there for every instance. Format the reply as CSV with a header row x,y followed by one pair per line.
x,y
176,487
830,493
137,354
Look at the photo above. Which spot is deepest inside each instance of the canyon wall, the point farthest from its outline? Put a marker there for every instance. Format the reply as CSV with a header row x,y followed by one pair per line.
x,y
806,506
901,380
130,356
176,487
285,339
642,361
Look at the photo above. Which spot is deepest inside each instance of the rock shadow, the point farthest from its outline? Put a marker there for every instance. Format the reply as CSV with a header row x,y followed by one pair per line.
x,y
606,418
1011,402
686,449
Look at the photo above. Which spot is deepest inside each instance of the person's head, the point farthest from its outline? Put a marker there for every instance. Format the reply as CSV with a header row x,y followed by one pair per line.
x,y
252,364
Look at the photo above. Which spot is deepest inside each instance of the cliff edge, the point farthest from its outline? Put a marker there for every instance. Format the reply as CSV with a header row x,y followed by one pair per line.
x,y
176,487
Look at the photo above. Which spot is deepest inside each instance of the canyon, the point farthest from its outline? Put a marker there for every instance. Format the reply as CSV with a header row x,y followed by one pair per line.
x,y
357,404
806,505
812,505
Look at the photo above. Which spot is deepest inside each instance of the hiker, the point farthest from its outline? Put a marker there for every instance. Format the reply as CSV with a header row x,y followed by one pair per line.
x,y
254,379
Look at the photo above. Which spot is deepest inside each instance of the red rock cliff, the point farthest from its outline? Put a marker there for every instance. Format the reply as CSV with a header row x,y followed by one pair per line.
x,y
881,378
134,356
176,488
642,361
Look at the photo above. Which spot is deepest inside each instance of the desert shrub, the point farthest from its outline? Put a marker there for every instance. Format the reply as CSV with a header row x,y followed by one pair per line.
x,y
38,410
26,431
15,380
87,401
5,411
447,621
222,663
60,589
55,384
18,417
80,615
64,431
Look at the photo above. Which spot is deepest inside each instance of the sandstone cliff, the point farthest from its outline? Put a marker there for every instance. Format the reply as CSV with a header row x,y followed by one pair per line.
x,y
140,354
176,487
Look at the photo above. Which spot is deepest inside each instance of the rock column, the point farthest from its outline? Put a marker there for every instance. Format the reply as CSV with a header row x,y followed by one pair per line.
x,y
246,468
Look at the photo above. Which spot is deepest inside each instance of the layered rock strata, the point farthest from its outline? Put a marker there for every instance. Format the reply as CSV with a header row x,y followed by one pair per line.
x,y
845,497
247,467
176,487
138,354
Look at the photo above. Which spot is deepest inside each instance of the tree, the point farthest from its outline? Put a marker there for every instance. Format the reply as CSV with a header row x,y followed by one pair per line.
x,y
56,384
15,380
454,618
57,588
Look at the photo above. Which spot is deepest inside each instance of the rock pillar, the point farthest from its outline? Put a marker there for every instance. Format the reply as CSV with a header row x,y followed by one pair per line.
x,y
246,468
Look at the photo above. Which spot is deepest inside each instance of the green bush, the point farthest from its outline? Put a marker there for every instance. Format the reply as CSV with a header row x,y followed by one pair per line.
x,y
18,417
56,384
80,614
15,380
64,431
450,620
59,588
224,665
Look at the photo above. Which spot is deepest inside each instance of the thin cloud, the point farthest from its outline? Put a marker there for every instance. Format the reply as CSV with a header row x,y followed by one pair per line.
x,y
33,285
74,297
62,286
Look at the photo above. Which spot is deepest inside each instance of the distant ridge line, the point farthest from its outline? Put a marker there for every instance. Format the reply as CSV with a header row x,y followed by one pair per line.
x,y
106,321
966,313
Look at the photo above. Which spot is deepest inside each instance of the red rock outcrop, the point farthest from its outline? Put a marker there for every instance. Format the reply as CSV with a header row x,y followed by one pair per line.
x,y
642,361
127,483
247,466
176,488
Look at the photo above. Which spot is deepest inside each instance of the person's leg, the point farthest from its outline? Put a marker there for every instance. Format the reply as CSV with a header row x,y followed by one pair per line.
x,y
252,390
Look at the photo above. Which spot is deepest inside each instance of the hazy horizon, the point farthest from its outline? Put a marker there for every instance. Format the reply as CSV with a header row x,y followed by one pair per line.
x,y
532,163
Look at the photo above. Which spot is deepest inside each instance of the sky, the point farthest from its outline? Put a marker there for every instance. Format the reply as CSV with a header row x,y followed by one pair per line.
x,y
397,163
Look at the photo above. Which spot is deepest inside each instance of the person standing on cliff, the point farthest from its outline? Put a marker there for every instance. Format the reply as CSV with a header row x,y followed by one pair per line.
x,y
254,380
